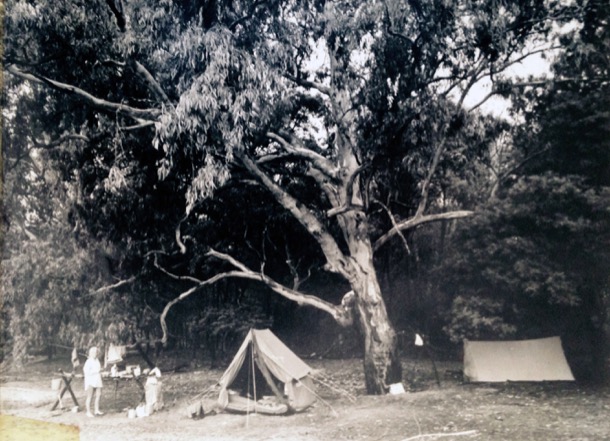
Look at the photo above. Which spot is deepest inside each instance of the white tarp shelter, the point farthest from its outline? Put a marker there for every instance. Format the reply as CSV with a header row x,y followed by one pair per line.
x,y
279,370
541,359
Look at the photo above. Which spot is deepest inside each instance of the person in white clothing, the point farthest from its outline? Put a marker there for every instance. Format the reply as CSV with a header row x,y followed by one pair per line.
x,y
92,371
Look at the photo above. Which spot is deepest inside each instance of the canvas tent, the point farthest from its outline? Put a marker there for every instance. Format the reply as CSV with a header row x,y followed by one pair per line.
x,y
526,360
266,376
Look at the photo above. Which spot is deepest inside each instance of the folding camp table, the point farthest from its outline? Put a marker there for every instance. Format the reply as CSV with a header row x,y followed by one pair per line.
x,y
137,379
67,379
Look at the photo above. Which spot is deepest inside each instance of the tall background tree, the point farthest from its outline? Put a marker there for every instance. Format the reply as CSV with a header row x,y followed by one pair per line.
x,y
347,118
50,269
535,261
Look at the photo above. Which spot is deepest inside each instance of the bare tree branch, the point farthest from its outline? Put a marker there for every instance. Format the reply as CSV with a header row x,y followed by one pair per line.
x,y
483,101
420,220
109,62
187,293
319,161
60,140
309,84
337,312
395,225
153,84
98,103
344,209
142,125
172,275
12,166
474,78
524,56
574,80
505,66
116,6
273,157
249,15
336,259
514,168
341,313
294,270
178,236
113,286
28,233
423,202
348,190
324,182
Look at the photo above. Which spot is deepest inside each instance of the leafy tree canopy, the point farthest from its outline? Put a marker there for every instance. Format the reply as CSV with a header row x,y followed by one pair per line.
x,y
325,105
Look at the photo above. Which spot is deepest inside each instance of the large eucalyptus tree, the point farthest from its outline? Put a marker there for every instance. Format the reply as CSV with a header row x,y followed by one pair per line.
x,y
284,95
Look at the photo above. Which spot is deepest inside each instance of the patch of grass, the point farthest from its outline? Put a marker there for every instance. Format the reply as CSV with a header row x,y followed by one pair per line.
x,y
14,428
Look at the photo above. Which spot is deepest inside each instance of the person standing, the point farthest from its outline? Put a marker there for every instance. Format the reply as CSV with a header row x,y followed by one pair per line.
x,y
92,371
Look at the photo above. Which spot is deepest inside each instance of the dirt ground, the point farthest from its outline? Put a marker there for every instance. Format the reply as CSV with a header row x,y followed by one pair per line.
x,y
453,411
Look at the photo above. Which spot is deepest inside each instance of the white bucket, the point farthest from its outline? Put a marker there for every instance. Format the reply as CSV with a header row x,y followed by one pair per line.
x,y
56,383
141,411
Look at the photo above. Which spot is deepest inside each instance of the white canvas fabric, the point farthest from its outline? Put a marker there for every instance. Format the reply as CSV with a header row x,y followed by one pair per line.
x,y
114,354
521,360
280,361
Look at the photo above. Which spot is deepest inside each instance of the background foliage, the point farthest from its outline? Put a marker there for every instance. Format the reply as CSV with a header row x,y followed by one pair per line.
x,y
95,199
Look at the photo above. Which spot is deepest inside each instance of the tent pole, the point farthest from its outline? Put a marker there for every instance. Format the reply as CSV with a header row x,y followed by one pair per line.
x,y
253,376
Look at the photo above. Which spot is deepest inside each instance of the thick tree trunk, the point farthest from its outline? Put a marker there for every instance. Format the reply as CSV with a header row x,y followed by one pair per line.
x,y
381,361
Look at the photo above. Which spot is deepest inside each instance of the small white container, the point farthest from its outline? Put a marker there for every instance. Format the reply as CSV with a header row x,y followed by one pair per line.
x,y
397,389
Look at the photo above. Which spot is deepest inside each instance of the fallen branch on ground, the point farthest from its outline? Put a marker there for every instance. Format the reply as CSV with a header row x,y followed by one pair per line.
x,y
440,435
